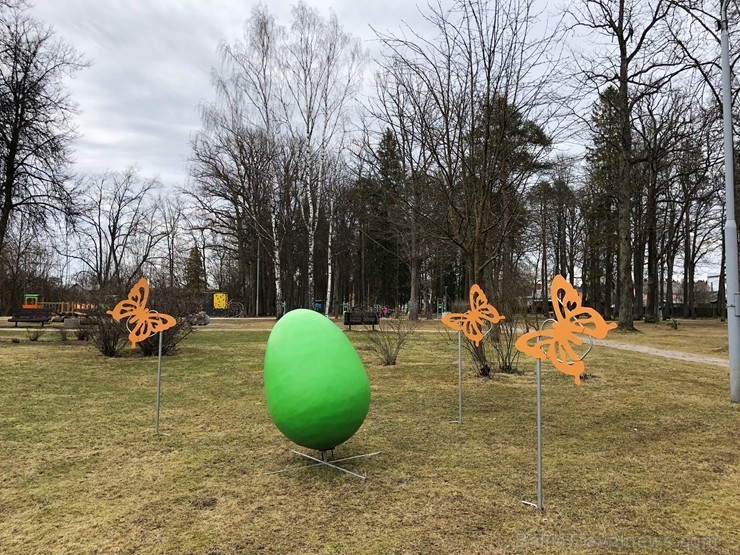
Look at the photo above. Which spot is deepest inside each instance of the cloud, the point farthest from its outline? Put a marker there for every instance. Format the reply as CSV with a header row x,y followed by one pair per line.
x,y
151,68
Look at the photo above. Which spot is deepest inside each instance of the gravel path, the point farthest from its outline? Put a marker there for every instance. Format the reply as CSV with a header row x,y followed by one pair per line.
x,y
678,355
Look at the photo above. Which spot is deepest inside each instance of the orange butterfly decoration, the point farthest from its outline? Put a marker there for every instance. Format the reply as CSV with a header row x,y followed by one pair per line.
x,y
556,343
145,322
471,321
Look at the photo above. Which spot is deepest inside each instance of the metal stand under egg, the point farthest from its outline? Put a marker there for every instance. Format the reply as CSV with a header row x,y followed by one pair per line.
x,y
324,461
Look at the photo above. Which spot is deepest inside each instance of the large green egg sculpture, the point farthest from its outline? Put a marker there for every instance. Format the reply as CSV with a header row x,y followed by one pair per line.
x,y
317,390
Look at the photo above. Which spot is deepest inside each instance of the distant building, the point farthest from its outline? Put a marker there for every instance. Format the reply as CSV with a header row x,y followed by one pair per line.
x,y
713,283
77,293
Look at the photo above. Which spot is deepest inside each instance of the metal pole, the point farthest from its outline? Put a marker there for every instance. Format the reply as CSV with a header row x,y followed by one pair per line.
x,y
459,376
731,272
539,435
257,303
159,380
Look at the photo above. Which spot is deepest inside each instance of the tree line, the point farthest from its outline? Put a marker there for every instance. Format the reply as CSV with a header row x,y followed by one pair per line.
x,y
306,184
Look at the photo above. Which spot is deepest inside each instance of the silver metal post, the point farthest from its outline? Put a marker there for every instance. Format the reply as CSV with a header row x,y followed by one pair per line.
x,y
257,288
459,377
159,381
731,274
538,506
539,435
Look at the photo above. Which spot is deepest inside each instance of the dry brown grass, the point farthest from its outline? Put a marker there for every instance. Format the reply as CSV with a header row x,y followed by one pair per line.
x,y
645,451
704,337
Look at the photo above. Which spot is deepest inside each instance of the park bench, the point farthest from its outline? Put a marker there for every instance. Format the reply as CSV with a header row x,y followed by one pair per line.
x,y
361,318
31,316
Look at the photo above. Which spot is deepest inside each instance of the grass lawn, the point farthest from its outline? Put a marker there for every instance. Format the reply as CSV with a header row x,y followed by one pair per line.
x,y
703,337
644,457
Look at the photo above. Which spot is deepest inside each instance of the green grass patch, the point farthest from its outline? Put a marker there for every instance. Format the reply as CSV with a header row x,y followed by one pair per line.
x,y
642,458
702,337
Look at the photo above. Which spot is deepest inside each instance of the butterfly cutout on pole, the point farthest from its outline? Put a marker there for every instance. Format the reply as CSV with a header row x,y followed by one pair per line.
x,y
471,321
572,319
144,321
470,324
556,344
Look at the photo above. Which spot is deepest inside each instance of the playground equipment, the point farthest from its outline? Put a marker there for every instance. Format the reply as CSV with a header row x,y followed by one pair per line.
x,y
35,309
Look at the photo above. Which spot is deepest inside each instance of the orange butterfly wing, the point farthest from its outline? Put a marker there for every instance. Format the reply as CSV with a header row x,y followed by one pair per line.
x,y
571,319
464,323
480,308
134,304
148,324
579,319
145,323
470,322
548,344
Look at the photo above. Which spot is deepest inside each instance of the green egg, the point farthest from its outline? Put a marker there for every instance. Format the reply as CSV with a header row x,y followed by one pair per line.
x,y
316,387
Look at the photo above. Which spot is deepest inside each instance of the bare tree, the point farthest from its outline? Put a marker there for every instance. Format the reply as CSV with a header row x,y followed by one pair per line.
x,y
697,38
274,141
629,47
473,93
172,210
118,228
250,86
468,105
662,125
231,168
36,130
399,106
26,262
322,72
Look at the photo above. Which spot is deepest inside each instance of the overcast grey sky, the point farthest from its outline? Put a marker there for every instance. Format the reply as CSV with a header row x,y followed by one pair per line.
x,y
151,64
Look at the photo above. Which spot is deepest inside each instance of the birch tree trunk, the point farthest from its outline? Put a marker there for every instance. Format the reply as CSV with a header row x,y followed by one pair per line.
x,y
329,265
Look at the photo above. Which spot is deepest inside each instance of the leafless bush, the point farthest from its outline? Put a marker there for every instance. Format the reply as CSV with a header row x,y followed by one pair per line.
x,y
111,337
108,336
182,304
63,335
504,335
390,336
480,359
170,339
502,338
33,335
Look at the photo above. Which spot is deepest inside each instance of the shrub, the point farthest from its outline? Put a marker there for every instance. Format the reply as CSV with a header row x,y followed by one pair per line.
x,y
170,339
33,335
500,337
390,336
503,337
110,337
183,305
